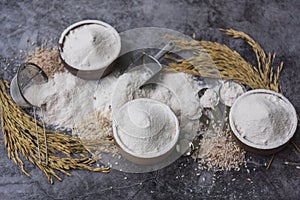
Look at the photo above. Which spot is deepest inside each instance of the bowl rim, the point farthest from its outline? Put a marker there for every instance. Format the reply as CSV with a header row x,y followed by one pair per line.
x,y
82,23
292,110
150,155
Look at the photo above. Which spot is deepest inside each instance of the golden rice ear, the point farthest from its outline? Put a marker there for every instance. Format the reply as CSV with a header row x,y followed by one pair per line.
x,y
294,144
222,62
20,138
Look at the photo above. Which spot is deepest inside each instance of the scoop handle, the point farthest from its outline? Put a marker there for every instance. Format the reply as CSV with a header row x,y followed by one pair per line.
x,y
168,47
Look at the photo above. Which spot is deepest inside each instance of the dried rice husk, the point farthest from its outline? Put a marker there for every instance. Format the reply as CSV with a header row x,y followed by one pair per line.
x,y
214,60
48,59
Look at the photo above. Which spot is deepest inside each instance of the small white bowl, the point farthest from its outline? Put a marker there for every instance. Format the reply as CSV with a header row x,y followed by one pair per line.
x,y
233,82
258,148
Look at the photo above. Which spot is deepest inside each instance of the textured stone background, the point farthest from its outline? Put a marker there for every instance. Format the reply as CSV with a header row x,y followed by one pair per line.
x,y
275,24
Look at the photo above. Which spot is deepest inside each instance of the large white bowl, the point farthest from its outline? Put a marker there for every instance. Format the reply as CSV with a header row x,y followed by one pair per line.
x,y
257,148
149,158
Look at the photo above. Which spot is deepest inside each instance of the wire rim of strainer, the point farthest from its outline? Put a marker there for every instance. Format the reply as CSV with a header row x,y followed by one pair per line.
x,y
23,66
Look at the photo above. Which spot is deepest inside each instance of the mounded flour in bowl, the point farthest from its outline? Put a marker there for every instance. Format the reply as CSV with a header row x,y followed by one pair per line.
x,y
146,126
91,47
263,119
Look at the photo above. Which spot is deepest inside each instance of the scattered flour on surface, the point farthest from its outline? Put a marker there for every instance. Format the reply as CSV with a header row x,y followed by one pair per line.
x,y
67,100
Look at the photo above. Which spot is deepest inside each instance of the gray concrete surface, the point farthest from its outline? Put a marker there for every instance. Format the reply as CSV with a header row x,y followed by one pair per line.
x,y
275,24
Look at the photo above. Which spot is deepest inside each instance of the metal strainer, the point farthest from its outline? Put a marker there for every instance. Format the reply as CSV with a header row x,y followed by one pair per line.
x,y
29,74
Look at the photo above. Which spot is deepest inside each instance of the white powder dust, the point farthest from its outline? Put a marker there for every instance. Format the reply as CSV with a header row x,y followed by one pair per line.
x,y
262,119
91,47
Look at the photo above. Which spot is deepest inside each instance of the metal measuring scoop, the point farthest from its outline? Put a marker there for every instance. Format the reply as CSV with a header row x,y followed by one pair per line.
x,y
27,75
154,65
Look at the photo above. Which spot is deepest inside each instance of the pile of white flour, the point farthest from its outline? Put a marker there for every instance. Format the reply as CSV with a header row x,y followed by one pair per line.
x,y
90,47
67,100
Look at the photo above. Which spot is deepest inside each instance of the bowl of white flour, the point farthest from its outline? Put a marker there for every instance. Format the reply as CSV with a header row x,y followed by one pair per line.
x,y
88,48
263,121
146,130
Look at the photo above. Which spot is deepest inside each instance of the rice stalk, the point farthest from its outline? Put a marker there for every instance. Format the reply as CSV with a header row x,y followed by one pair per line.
x,y
18,127
215,60
270,162
296,146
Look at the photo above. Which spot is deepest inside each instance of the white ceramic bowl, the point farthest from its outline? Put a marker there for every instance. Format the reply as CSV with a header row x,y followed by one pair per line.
x,y
92,74
258,148
148,158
